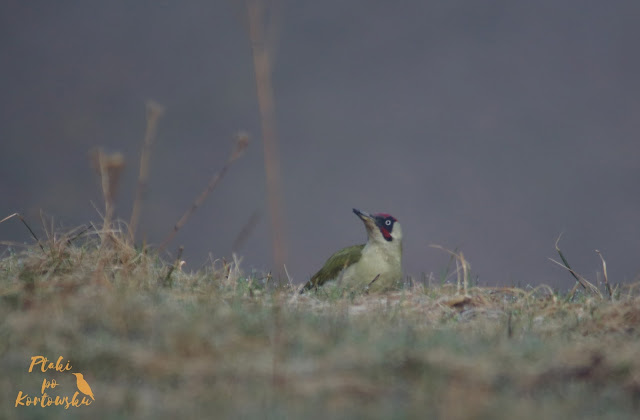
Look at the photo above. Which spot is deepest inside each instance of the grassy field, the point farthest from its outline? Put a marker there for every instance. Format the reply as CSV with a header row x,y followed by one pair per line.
x,y
154,341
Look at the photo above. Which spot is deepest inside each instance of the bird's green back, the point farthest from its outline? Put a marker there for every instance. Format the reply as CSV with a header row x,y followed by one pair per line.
x,y
336,263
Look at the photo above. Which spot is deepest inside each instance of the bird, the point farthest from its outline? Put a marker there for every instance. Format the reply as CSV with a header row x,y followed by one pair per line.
x,y
372,267
83,386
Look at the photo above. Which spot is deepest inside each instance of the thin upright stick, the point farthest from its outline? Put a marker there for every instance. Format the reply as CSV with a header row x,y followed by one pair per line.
x,y
109,167
262,60
154,112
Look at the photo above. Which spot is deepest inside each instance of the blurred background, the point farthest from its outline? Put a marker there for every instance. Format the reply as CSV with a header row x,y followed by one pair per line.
x,y
490,127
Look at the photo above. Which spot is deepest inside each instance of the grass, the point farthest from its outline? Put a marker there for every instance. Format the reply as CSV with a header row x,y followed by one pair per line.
x,y
154,341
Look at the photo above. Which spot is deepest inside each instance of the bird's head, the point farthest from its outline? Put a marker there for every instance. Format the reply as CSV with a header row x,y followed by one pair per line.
x,y
77,375
381,227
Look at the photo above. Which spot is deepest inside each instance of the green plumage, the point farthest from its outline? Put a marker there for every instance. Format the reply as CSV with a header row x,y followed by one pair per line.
x,y
334,265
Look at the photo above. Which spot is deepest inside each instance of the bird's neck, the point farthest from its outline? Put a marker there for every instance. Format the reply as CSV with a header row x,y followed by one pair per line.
x,y
388,250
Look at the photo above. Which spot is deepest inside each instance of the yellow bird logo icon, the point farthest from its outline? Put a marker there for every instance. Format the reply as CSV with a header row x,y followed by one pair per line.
x,y
83,386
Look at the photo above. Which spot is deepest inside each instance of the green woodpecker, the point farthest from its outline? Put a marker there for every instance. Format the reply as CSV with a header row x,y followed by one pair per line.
x,y
375,266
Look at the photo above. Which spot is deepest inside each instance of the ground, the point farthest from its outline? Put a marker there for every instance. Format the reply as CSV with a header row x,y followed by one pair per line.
x,y
154,341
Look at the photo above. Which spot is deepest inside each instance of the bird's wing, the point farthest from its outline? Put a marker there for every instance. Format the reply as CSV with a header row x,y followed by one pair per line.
x,y
334,265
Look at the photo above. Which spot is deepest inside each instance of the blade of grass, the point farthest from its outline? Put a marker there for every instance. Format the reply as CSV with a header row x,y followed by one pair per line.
x,y
583,282
604,273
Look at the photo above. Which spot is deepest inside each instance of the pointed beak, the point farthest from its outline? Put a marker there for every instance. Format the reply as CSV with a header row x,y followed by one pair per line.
x,y
361,214
368,220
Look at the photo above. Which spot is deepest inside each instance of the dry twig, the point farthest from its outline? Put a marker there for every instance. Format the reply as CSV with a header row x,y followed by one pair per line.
x,y
27,225
240,144
579,279
109,168
154,113
246,231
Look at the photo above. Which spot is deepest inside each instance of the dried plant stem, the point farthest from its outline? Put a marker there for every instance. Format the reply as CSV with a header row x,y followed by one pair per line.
x,y
604,273
289,279
465,273
579,279
262,59
108,198
109,168
246,231
167,280
462,269
82,229
262,62
27,225
566,264
366,289
154,113
241,143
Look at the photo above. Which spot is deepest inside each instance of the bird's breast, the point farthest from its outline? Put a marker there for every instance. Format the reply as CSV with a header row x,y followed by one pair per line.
x,y
375,262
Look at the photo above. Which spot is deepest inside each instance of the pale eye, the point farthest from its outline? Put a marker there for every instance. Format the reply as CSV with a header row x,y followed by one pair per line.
x,y
388,223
